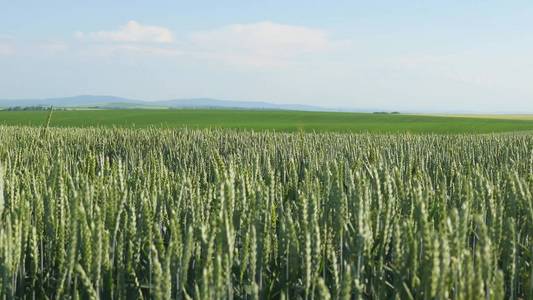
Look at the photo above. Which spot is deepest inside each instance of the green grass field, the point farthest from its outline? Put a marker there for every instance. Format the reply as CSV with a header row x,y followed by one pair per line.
x,y
268,120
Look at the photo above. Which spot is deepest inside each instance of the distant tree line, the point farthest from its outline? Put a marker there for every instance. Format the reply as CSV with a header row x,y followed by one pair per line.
x,y
31,108
386,113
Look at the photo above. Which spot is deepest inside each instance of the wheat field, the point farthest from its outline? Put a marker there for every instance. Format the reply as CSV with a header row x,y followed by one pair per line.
x,y
223,214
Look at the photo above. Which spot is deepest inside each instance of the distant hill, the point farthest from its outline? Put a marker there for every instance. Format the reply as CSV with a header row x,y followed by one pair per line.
x,y
76,101
111,102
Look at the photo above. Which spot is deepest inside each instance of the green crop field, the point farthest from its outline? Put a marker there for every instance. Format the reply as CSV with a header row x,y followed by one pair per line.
x,y
268,120
493,116
118,213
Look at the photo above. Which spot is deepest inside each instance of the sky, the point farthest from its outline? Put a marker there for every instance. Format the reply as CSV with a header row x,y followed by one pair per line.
x,y
434,56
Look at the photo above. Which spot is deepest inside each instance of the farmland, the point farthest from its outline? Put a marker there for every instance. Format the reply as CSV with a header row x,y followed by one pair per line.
x,y
492,116
160,213
286,121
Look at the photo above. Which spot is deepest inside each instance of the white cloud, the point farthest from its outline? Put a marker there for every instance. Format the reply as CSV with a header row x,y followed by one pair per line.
x,y
259,44
132,32
262,44
131,49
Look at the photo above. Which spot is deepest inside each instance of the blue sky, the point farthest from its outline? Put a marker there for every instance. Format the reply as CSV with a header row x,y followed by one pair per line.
x,y
399,55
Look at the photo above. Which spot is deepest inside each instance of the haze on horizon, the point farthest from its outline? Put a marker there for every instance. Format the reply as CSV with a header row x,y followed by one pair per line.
x,y
435,56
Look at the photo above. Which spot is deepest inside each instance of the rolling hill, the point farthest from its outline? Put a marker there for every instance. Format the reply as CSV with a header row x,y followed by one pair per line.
x,y
111,102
